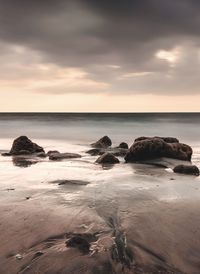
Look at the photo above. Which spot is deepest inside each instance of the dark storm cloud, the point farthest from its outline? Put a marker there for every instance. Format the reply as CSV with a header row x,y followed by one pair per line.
x,y
93,34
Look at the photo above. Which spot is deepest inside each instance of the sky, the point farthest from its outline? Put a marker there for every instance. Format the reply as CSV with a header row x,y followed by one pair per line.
x,y
99,55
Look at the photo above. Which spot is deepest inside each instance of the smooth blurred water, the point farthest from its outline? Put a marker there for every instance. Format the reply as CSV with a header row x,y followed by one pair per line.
x,y
87,127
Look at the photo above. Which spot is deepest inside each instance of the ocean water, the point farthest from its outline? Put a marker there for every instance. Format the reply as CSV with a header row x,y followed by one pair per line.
x,y
85,128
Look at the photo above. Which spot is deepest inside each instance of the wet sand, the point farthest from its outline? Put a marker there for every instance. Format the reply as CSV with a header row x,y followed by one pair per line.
x,y
136,218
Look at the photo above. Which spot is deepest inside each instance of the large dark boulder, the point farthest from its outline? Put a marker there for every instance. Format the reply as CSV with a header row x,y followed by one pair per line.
x,y
166,139
23,145
107,158
187,169
104,142
156,147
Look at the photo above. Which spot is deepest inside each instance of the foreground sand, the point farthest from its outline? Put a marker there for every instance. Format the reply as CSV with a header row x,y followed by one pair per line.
x,y
140,219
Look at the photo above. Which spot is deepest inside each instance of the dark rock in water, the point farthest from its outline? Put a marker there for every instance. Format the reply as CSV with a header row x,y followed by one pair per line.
x,y
6,154
107,158
50,152
94,151
23,145
60,156
184,169
123,145
155,148
70,182
121,152
79,242
166,139
104,142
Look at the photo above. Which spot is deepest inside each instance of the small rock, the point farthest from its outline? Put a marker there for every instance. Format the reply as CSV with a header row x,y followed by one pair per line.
x,y
188,170
18,256
6,154
104,142
50,152
107,158
94,151
41,155
123,145
60,156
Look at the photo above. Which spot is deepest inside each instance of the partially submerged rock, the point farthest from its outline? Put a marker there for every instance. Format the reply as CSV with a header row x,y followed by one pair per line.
x,y
5,154
69,182
60,156
117,151
94,151
187,169
120,152
123,145
50,152
152,148
104,142
107,158
24,146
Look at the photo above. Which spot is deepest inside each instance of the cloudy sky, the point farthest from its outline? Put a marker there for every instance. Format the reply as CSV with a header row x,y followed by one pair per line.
x,y
100,55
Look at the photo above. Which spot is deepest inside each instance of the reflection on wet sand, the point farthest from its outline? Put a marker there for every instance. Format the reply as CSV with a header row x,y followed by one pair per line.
x,y
23,162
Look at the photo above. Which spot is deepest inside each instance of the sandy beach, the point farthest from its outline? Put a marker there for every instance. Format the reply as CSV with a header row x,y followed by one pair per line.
x,y
139,218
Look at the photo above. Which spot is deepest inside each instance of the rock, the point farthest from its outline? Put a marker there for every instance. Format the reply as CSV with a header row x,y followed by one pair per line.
x,y
6,154
121,152
107,158
18,256
69,182
123,145
23,145
79,242
155,148
50,152
185,169
104,142
94,151
60,156
166,139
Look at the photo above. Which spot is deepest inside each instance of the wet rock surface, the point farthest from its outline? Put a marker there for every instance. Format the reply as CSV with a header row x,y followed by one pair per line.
x,y
107,158
104,142
166,139
69,182
51,152
187,169
155,148
61,156
23,145
123,145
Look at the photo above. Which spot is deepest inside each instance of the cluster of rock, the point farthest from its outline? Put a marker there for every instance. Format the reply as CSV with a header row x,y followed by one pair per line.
x,y
23,146
143,149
